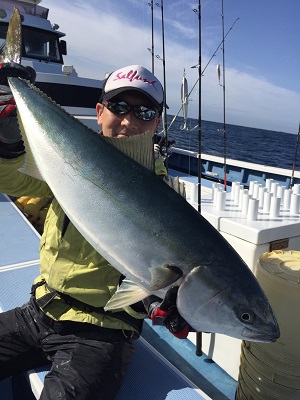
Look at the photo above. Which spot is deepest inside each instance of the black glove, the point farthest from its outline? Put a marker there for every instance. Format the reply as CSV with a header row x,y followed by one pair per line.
x,y
7,102
164,312
11,144
13,69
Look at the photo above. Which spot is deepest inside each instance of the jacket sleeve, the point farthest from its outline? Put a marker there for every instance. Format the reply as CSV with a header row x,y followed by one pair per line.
x,y
15,183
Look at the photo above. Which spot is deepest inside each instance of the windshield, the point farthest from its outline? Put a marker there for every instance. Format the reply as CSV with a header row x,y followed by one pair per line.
x,y
41,45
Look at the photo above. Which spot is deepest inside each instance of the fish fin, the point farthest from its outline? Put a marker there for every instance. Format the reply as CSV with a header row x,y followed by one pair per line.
x,y
162,277
128,293
30,167
12,52
138,147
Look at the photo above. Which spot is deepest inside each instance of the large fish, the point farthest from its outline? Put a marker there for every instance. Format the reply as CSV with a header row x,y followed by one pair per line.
x,y
140,225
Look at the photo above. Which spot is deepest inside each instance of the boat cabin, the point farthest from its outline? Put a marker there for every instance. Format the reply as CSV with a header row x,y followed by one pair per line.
x,y
40,40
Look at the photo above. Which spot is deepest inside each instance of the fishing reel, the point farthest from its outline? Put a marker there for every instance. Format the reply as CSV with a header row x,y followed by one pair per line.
x,y
160,147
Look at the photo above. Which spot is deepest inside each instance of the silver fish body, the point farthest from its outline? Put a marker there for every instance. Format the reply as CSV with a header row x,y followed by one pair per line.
x,y
141,226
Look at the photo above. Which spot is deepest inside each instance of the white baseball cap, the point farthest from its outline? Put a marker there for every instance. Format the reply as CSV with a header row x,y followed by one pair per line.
x,y
134,77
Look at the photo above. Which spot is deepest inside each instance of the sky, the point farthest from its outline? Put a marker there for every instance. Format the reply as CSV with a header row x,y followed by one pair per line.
x,y
261,52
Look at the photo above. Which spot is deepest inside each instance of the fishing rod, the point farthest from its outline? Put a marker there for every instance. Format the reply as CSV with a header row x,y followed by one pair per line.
x,y
224,98
295,158
202,73
199,351
152,33
214,54
198,12
163,59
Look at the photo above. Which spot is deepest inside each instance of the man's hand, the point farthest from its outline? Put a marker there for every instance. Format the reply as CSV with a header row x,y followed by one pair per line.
x,y
11,144
165,313
13,69
7,102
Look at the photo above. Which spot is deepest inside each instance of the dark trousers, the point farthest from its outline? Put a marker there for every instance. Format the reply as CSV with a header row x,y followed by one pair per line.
x,y
88,362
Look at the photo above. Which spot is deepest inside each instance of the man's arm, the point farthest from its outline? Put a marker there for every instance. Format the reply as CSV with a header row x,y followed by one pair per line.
x,y
11,144
12,148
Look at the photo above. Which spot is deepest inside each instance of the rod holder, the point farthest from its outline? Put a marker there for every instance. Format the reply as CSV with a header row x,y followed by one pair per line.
x,y
252,210
267,202
295,202
274,207
287,199
221,200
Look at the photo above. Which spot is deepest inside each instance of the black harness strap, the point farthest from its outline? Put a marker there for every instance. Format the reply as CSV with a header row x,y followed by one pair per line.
x,y
65,225
43,301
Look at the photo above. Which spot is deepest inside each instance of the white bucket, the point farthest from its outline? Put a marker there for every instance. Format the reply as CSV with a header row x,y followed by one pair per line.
x,y
254,389
278,272
271,371
264,376
281,370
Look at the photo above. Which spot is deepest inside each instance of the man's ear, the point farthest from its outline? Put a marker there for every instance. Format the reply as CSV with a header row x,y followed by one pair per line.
x,y
157,123
99,111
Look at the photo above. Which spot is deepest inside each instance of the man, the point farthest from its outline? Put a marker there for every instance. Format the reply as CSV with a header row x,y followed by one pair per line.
x,y
64,322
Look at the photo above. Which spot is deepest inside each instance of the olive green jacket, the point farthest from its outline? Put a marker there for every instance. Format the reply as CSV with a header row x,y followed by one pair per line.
x,y
68,263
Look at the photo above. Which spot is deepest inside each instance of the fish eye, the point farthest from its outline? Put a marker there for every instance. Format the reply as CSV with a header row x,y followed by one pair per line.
x,y
246,316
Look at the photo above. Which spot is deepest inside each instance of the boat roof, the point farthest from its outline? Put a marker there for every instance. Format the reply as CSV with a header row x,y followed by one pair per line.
x,y
32,15
25,7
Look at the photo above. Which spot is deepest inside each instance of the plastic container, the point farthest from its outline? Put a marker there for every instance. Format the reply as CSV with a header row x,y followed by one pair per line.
x,y
278,272
271,371
282,370
282,384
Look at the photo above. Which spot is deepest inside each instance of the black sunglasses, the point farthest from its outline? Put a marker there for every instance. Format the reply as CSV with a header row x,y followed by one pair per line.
x,y
122,108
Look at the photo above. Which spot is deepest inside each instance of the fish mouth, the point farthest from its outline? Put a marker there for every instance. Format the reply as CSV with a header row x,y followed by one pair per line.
x,y
258,336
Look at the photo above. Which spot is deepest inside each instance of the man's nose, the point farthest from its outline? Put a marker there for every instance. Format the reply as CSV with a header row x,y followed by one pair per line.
x,y
129,118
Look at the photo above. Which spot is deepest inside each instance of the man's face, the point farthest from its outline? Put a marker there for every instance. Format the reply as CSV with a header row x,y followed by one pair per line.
x,y
125,125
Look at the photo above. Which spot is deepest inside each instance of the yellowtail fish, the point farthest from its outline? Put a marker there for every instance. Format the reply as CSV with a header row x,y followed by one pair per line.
x,y
140,225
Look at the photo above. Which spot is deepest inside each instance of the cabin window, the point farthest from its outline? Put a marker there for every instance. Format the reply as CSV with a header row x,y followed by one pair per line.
x,y
41,45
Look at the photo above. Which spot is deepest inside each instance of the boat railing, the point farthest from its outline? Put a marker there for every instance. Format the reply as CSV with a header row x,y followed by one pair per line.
x,y
212,168
237,163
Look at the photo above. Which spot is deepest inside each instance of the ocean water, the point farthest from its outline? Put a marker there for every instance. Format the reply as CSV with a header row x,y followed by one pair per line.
x,y
260,146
